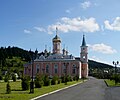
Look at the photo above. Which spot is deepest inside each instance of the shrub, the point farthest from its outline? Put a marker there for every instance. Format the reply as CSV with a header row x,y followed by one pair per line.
x,y
28,77
59,81
39,81
117,78
1,77
39,84
66,81
63,79
77,77
19,77
69,78
74,78
8,88
6,78
46,80
25,83
14,78
54,80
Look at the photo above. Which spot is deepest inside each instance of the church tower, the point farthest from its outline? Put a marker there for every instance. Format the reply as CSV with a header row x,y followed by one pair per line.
x,y
84,58
56,43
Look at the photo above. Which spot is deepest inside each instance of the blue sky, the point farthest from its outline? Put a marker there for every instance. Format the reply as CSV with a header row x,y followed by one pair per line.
x,y
31,24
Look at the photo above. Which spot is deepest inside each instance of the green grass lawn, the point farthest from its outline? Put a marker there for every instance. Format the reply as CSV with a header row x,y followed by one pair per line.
x,y
111,83
18,94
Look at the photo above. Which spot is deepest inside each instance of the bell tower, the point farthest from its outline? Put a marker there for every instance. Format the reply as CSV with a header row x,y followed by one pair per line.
x,y
56,43
84,58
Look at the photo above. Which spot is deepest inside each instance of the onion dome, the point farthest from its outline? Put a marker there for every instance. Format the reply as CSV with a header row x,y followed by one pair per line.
x,y
56,38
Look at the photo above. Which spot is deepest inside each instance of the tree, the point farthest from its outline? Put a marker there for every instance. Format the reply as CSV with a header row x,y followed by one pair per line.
x,y
63,79
25,83
14,78
54,80
6,78
9,50
8,88
1,77
46,80
39,81
59,81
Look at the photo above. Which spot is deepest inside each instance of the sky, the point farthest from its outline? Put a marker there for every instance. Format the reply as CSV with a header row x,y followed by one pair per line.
x,y
31,24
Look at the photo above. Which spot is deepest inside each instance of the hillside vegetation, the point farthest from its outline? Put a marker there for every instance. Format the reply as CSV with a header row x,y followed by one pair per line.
x,y
13,59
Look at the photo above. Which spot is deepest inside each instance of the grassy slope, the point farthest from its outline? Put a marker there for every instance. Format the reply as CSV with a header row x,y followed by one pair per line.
x,y
111,83
18,94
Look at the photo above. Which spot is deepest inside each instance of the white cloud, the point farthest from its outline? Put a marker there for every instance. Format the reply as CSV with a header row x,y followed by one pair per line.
x,y
114,26
94,58
102,48
27,31
86,4
40,29
66,24
68,11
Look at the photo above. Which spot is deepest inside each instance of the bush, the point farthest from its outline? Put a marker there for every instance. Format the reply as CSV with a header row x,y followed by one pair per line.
x,y
39,84
63,79
69,78
19,77
8,88
39,81
59,81
1,78
117,78
66,79
25,83
14,78
46,80
54,80
77,77
74,78
6,78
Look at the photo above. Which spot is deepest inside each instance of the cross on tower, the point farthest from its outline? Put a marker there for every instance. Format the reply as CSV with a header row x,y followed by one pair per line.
x,y
56,31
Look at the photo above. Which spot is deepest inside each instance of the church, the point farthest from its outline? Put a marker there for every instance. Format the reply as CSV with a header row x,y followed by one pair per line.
x,y
59,62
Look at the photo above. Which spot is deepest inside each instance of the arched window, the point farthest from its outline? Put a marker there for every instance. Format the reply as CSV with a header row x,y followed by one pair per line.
x,y
63,69
56,69
37,68
73,69
47,68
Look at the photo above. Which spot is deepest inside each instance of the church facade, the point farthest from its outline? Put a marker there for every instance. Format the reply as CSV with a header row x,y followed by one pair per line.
x,y
58,63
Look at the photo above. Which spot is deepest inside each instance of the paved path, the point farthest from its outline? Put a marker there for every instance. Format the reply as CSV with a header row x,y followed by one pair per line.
x,y
93,89
113,93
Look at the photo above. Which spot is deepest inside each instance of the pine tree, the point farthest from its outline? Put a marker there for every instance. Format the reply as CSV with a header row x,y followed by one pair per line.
x,y
8,88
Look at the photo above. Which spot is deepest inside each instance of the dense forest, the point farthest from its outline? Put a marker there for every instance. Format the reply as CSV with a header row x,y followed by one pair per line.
x,y
10,52
16,57
100,70
94,64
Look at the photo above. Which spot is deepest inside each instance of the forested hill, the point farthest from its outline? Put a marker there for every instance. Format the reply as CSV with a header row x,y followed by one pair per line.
x,y
94,64
10,52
